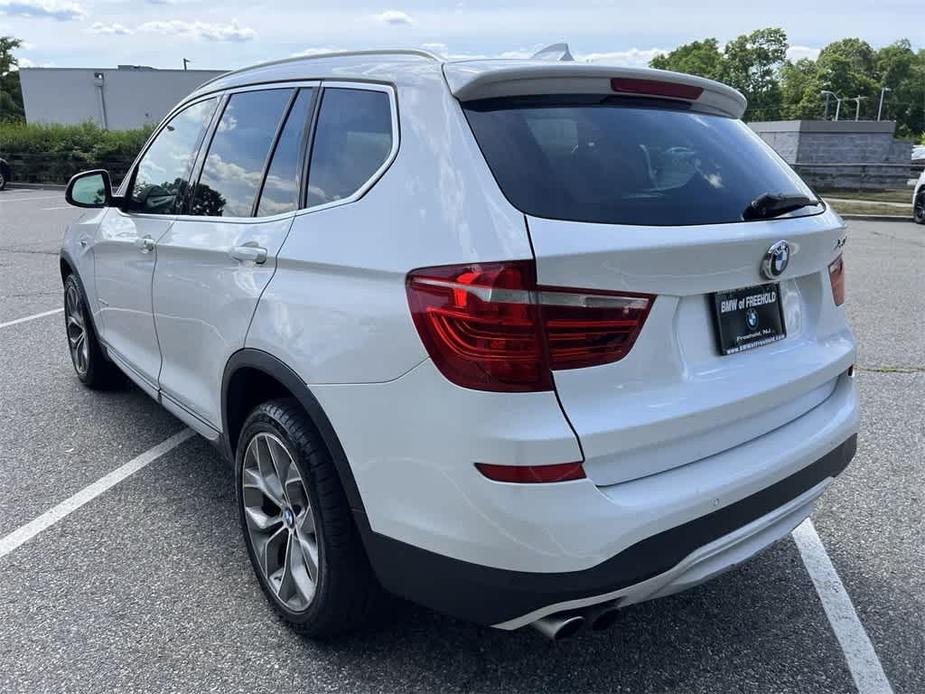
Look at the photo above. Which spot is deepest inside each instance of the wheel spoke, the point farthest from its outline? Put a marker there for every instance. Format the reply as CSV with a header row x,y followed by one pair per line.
x,y
267,551
262,522
254,480
299,576
308,551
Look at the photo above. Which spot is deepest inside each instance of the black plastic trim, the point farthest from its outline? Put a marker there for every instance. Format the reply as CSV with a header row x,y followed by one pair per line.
x,y
487,595
264,361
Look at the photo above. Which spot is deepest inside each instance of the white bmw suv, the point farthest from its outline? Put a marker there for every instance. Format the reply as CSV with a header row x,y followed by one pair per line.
x,y
523,342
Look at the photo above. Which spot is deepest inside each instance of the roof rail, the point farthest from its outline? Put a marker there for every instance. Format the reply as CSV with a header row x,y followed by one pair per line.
x,y
333,54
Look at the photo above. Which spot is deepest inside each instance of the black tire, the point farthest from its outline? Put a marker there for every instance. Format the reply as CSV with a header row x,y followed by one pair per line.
x,y
93,367
918,209
5,174
346,592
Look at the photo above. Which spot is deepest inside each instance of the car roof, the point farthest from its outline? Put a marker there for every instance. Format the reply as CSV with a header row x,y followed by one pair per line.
x,y
476,78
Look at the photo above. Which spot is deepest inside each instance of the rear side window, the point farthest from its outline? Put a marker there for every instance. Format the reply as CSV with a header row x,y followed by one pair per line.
x,y
281,187
234,167
161,177
353,138
626,161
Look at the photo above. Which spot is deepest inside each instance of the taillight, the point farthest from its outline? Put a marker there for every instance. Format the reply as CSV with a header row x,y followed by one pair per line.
x,y
490,327
837,279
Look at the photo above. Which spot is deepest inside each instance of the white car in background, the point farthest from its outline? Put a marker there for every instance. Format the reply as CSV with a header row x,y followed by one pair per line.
x,y
524,342
918,200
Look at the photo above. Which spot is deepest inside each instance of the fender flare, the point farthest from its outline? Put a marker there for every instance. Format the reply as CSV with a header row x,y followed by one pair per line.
x,y
270,365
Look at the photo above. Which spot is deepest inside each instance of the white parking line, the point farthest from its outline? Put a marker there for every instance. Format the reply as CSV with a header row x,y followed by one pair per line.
x,y
32,317
52,516
63,207
863,662
33,197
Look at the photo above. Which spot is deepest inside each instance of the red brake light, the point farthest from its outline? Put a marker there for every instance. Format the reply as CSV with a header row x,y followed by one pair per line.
x,y
490,327
655,88
837,278
526,474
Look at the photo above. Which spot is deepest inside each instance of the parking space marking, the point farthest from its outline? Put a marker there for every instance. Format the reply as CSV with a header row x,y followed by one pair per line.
x,y
865,666
63,207
32,317
31,198
88,493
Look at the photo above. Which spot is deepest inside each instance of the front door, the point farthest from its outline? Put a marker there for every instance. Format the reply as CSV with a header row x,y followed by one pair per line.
x,y
215,261
125,248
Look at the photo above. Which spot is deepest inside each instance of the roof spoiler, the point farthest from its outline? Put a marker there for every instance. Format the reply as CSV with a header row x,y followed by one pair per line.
x,y
486,79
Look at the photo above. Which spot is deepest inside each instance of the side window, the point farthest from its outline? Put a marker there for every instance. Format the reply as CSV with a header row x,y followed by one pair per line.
x,y
161,177
353,138
284,177
233,169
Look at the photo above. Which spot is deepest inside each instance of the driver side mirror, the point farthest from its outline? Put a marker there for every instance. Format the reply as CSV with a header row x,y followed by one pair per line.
x,y
90,189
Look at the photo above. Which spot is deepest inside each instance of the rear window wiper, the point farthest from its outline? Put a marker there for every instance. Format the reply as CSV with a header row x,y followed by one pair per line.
x,y
769,205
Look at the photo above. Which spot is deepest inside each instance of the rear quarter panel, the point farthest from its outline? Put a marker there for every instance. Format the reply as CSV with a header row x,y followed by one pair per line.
x,y
336,309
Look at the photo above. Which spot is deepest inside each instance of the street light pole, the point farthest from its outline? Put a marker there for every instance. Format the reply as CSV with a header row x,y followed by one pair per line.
x,y
857,109
827,94
880,108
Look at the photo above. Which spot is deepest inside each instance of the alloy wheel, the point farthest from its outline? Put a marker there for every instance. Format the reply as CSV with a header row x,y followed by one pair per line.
x,y
76,329
280,523
918,210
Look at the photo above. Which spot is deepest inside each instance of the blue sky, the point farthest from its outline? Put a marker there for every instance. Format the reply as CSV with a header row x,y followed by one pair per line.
x,y
233,33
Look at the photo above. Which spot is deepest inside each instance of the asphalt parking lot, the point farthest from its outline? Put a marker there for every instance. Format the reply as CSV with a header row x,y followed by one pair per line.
x,y
148,587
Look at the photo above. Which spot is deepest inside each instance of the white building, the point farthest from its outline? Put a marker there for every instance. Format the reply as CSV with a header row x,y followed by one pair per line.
x,y
127,97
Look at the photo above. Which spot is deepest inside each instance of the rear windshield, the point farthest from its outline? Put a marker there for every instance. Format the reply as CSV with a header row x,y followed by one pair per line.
x,y
626,161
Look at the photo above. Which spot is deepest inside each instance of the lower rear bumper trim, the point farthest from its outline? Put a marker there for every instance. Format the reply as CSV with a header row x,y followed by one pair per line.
x,y
488,595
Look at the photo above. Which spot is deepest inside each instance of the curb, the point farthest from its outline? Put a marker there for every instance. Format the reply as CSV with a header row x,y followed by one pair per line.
x,y
36,186
877,217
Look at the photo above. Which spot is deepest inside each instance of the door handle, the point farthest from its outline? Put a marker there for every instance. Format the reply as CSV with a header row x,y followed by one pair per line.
x,y
145,244
245,253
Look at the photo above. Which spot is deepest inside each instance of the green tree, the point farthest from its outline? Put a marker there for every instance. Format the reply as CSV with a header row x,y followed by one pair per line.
x,y
752,63
902,72
11,108
801,91
701,58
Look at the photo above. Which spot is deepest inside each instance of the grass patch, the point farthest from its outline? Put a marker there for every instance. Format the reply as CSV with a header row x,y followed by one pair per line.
x,y
871,208
890,195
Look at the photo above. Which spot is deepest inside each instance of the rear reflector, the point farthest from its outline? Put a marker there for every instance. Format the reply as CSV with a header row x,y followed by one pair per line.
x,y
627,85
532,474
490,327
837,278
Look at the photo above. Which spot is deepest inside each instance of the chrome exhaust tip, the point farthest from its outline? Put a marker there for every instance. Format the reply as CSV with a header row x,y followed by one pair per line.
x,y
559,626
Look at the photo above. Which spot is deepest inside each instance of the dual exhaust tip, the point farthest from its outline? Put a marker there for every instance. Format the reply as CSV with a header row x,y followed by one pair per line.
x,y
563,625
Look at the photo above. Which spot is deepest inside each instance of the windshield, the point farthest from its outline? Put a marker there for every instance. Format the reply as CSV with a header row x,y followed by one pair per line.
x,y
627,161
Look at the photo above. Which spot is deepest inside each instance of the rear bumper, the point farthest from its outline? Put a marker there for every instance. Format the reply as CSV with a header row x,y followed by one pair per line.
x,y
660,564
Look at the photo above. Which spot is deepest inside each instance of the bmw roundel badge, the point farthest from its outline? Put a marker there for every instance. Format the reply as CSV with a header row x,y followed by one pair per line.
x,y
776,260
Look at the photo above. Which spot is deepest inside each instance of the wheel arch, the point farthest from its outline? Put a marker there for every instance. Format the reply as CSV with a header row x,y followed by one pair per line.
x,y
252,376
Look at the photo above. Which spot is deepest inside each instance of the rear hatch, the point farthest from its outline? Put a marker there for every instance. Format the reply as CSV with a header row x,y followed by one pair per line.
x,y
648,184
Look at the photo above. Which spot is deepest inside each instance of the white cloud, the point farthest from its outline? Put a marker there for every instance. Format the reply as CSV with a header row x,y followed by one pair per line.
x,y
201,30
114,29
62,10
394,17
25,62
633,57
796,53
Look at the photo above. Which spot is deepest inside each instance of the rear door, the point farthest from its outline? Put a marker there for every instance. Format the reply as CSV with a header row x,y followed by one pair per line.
x,y
216,259
647,197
